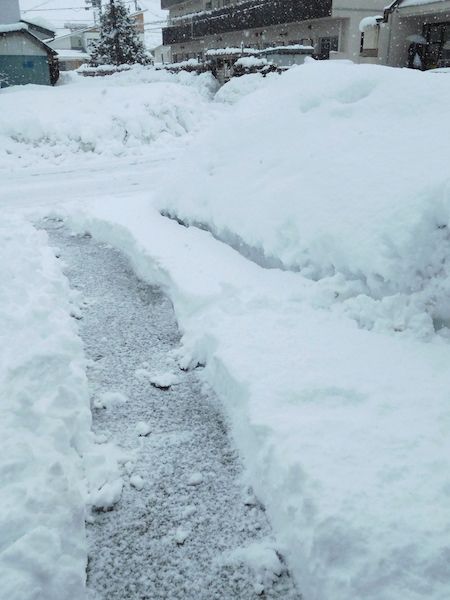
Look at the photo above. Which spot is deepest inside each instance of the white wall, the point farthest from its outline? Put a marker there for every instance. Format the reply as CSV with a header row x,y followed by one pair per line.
x,y
406,22
353,11
9,11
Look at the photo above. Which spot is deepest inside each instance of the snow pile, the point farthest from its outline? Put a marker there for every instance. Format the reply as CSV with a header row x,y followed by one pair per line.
x,y
345,432
44,424
337,183
238,87
138,108
52,469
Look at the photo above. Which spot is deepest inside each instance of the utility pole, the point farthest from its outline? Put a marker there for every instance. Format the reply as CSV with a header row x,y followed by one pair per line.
x,y
96,5
117,48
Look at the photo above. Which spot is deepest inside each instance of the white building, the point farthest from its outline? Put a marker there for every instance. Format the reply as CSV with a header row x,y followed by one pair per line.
x,y
331,26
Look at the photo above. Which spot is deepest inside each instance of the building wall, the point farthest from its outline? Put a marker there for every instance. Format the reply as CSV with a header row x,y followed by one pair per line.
x,y
22,61
344,25
353,11
405,22
9,12
308,33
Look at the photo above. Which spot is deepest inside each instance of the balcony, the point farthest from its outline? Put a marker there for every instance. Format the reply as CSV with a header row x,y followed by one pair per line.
x,y
249,14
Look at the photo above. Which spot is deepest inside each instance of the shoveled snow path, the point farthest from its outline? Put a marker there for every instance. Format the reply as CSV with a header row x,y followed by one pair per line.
x,y
191,532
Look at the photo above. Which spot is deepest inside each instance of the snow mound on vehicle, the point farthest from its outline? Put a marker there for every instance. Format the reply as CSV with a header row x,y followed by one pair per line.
x,y
137,108
329,169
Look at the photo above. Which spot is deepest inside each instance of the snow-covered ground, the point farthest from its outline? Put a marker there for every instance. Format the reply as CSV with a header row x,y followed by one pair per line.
x,y
333,366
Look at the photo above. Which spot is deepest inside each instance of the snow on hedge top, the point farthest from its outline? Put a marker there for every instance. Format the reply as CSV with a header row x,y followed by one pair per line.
x,y
332,173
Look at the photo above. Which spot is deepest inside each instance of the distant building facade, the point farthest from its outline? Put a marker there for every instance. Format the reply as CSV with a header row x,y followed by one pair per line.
x,y
330,26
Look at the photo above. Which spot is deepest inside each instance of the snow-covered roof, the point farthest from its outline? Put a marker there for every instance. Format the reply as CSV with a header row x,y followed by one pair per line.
x,y
229,50
72,54
11,27
39,22
289,49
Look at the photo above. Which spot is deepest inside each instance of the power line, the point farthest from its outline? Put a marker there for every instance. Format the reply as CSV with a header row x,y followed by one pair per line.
x,y
68,7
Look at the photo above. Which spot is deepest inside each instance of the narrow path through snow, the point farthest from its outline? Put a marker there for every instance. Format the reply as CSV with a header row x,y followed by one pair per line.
x,y
183,528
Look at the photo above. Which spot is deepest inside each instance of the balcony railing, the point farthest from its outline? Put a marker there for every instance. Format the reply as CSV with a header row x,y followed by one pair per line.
x,y
249,14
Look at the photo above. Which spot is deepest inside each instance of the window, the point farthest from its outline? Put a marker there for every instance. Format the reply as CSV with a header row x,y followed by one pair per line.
x,y
327,45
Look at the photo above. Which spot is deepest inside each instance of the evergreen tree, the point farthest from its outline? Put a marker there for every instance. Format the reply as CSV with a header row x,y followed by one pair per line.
x,y
119,43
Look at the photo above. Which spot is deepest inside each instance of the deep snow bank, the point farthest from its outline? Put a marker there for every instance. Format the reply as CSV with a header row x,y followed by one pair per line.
x,y
334,168
44,424
345,433
101,116
51,470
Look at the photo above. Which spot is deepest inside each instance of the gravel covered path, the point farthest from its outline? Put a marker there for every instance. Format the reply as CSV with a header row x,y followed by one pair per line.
x,y
192,531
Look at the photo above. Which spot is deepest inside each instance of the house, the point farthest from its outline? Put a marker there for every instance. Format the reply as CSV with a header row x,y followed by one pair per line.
x,y
24,58
416,33
330,26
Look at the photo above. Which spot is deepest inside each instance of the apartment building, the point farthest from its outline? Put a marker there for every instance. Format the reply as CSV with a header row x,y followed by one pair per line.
x,y
330,26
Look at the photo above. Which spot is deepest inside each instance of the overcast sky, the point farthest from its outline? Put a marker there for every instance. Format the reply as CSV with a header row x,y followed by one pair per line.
x,y
58,12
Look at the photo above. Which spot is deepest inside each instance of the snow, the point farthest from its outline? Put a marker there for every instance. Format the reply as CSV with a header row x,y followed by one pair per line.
x,y
369,22
333,367
11,27
137,482
181,535
262,560
139,107
230,50
109,399
143,428
108,495
389,246
250,61
195,479
64,54
44,423
164,380
235,89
